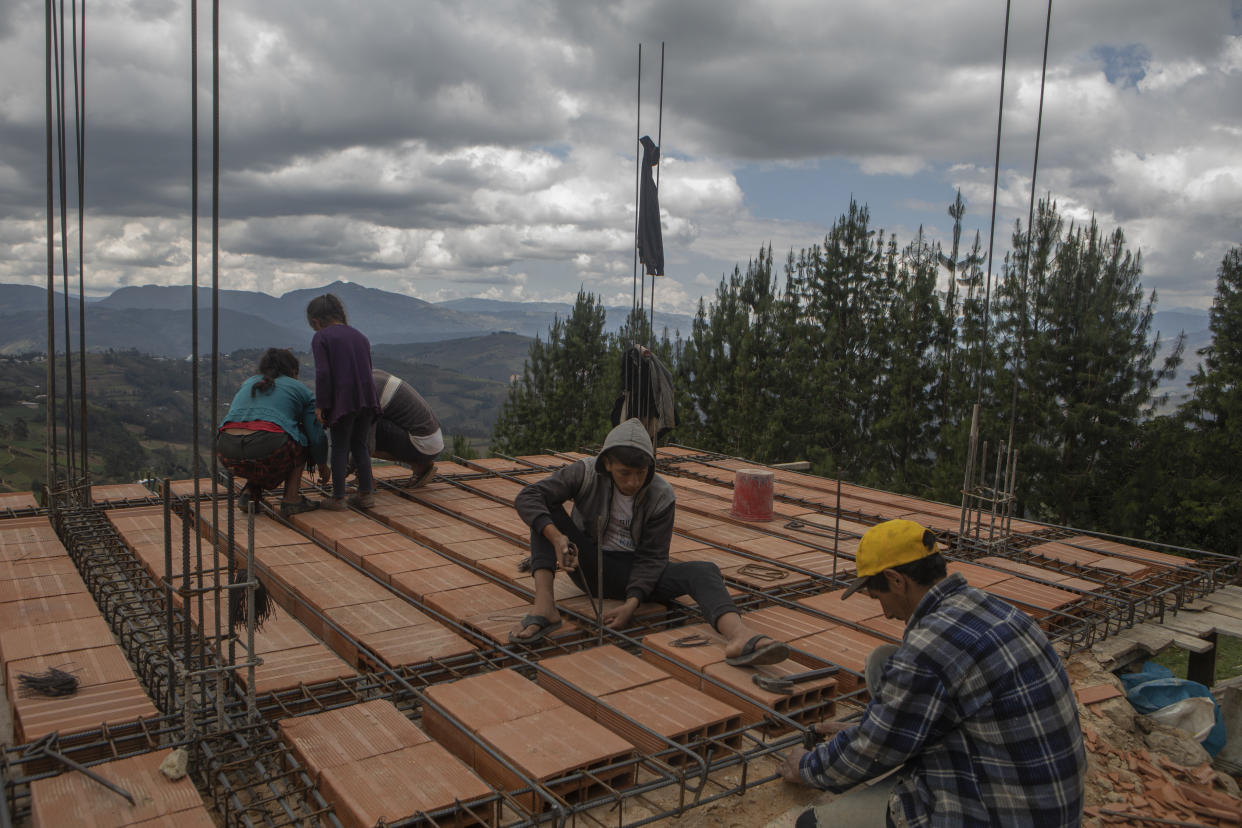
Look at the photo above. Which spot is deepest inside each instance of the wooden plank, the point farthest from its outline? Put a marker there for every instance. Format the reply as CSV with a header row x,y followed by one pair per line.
x,y
1192,644
1190,626
1223,623
1215,608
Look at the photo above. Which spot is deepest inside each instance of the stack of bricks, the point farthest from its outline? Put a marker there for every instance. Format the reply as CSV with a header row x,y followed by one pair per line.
x,y
73,799
500,722
49,620
695,655
637,700
373,764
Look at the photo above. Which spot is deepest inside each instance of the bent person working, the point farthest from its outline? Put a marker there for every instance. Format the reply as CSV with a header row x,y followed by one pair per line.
x,y
621,506
407,430
974,708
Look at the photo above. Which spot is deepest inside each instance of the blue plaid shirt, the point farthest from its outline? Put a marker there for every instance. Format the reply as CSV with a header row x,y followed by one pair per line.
x,y
978,707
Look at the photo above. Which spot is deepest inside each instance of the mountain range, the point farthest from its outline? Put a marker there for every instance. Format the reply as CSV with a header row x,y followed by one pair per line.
x,y
158,320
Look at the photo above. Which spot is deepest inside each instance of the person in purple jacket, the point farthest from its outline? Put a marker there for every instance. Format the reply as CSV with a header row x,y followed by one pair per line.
x,y
345,396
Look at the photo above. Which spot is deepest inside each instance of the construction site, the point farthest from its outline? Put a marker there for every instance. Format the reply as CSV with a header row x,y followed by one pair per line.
x,y
381,690
172,657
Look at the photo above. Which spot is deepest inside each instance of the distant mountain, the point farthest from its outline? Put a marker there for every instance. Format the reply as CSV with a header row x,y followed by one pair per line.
x,y
497,357
24,298
156,332
155,319
383,316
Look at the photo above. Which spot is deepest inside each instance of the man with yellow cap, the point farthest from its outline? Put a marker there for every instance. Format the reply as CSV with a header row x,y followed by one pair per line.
x,y
973,710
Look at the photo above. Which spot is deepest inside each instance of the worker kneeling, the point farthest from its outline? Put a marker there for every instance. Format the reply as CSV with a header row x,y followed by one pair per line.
x,y
622,507
974,708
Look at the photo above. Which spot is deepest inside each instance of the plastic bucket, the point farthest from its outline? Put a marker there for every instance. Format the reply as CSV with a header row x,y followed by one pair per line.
x,y
752,494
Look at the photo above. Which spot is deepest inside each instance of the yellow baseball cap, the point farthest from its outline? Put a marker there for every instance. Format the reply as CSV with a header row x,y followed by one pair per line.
x,y
889,544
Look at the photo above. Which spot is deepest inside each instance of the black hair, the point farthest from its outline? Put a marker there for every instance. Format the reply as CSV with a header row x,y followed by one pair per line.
x,y
275,362
326,308
924,572
630,456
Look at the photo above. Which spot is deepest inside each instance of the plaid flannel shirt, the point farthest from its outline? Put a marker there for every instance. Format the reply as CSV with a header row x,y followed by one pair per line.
x,y
978,707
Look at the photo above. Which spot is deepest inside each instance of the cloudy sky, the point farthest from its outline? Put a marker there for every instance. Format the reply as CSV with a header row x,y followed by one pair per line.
x,y
482,148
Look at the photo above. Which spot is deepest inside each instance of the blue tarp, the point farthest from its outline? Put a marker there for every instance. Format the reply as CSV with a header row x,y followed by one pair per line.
x,y
1155,687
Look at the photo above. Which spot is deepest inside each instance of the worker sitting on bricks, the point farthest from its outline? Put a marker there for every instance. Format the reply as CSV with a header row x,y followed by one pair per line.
x,y
974,708
623,517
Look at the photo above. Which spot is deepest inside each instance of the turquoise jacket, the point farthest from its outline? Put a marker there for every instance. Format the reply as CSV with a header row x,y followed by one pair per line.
x,y
290,405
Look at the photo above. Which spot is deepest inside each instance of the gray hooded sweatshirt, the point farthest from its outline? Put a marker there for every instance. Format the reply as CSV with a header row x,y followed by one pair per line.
x,y
589,485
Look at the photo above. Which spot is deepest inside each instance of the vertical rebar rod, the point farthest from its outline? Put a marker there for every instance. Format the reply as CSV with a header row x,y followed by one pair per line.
x,y
215,330
187,694
1020,347
971,444
196,472
79,101
251,581
638,177
983,482
170,636
62,182
996,483
230,563
49,406
1013,476
987,292
836,532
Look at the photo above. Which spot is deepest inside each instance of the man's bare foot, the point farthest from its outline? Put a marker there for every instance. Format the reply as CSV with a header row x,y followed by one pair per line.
x,y
535,626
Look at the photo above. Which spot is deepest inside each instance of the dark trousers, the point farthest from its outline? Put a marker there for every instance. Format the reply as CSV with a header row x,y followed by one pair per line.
x,y
350,435
392,442
700,580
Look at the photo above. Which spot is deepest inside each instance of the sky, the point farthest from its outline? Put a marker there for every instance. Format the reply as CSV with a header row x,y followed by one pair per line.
x,y
470,148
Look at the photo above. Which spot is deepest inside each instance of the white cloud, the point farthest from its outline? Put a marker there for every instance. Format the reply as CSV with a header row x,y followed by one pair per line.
x,y
480,149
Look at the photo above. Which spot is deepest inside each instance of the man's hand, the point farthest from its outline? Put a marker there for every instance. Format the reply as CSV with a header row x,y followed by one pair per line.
x,y
319,416
619,618
566,552
789,765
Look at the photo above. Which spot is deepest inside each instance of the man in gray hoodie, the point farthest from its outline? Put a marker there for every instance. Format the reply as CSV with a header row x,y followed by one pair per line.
x,y
621,506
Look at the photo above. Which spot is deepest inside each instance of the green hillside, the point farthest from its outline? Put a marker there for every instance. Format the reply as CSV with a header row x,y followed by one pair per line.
x,y
140,412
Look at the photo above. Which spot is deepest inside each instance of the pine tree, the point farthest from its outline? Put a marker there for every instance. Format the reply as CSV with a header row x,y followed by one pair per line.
x,y
728,361
1214,415
905,432
1088,377
564,396
844,290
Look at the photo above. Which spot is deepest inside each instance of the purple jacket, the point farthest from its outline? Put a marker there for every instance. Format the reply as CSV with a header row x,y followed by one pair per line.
x,y
343,381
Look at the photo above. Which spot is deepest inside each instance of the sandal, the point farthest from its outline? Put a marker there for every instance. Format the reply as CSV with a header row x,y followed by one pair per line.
x,y
773,652
545,625
297,507
244,499
417,480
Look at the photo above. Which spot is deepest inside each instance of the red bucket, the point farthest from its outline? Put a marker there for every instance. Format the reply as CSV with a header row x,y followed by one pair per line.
x,y
752,494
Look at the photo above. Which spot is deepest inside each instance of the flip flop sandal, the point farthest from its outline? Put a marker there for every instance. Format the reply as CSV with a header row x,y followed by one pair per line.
x,y
545,625
752,656
422,479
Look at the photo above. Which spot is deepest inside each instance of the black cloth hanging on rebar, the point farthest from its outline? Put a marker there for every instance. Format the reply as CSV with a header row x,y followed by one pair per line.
x,y
650,242
646,392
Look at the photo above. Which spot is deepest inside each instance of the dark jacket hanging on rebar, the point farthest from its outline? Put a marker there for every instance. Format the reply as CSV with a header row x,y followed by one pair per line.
x,y
646,392
650,242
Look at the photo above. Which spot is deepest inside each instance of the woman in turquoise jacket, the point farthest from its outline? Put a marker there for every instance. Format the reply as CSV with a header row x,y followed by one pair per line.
x,y
270,432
